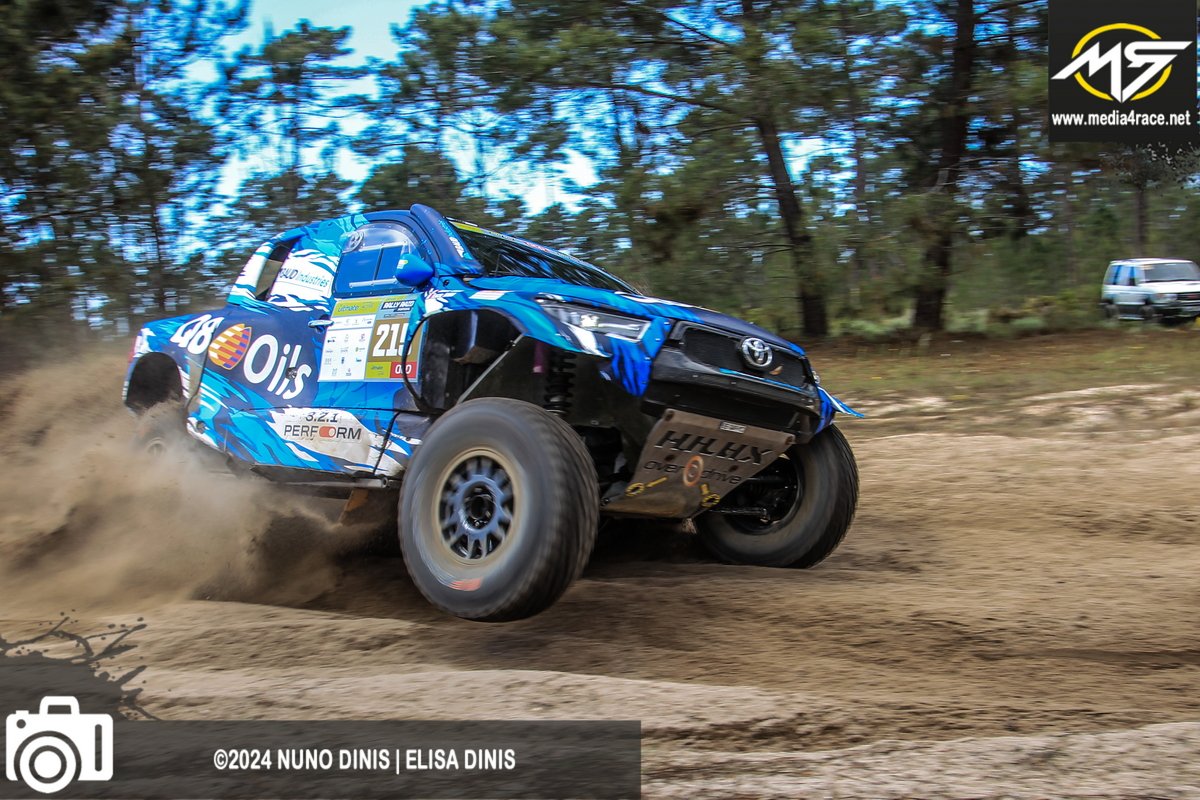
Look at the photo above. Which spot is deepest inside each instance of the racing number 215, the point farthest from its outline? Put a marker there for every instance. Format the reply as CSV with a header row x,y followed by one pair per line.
x,y
389,339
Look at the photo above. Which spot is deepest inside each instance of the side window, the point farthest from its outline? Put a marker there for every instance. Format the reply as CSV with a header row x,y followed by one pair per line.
x,y
270,270
370,255
1135,276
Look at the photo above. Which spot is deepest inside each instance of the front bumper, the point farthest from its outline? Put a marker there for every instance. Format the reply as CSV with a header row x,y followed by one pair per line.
x,y
1178,309
679,381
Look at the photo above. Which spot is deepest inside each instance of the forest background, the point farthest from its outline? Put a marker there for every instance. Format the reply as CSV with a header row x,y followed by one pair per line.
x,y
821,167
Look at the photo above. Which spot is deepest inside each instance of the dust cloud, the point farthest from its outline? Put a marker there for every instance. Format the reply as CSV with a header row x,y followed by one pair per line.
x,y
87,519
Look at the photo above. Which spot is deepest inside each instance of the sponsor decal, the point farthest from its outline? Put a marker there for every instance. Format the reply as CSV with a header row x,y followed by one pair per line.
x,y
279,366
669,468
305,277
715,447
367,340
196,335
393,307
455,242
691,473
331,432
230,346
489,294
314,432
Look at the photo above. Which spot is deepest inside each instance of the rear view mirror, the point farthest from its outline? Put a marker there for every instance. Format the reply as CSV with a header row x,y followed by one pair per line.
x,y
412,270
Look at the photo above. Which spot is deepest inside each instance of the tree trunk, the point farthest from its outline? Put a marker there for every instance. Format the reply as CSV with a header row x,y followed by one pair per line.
x,y
931,289
930,296
1067,228
1141,232
859,268
813,314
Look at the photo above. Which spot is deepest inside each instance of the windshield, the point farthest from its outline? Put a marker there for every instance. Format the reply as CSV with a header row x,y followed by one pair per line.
x,y
508,255
1172,271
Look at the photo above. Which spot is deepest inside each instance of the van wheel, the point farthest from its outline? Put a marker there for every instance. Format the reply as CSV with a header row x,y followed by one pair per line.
x,y
808,495
498,511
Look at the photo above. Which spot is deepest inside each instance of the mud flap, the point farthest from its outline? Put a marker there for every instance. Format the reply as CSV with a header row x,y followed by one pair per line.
x,y
368,507
690,462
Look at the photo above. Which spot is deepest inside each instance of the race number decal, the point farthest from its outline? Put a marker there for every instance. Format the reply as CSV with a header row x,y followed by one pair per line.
x,y
367,341
389,341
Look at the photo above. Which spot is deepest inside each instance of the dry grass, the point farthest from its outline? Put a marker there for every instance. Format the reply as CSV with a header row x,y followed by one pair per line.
x,y
977,369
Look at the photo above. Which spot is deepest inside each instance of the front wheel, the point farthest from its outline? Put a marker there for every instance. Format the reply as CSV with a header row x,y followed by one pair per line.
x,y
498,510
792,514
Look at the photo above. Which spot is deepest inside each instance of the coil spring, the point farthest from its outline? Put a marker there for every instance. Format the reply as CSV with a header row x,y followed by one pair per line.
x,y
560,382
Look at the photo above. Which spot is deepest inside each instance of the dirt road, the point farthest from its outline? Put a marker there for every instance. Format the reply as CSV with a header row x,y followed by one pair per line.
x,y
1013,614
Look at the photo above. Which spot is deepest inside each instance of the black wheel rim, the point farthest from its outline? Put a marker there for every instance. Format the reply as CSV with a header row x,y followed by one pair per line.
x,y
475,508
778,489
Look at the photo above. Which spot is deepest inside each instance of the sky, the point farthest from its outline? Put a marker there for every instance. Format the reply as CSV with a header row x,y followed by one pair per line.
x,y
371,22
370,19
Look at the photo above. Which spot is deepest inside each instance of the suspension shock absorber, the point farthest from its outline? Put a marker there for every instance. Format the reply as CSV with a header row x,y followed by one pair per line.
x,y
560,382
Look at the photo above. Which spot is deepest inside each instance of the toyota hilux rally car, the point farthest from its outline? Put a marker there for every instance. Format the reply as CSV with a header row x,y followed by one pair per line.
x,y
509,394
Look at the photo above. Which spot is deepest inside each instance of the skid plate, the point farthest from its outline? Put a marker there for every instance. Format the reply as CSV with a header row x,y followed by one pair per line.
x,y
689,462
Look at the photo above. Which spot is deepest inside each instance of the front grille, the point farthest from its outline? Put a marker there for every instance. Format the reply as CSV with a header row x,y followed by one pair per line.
x,y
722,351
1190,296
727,405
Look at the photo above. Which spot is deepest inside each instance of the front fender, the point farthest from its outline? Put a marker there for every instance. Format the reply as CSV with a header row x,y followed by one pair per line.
x,y
626,363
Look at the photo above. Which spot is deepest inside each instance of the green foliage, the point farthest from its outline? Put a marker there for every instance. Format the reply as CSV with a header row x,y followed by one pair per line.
x,y
847,167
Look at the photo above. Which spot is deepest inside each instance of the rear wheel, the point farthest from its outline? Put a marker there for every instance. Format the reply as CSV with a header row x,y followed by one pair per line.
x,y
805,503
498,511
160,430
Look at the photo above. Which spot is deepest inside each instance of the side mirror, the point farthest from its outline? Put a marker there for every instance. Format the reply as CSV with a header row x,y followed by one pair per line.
x,y
412,271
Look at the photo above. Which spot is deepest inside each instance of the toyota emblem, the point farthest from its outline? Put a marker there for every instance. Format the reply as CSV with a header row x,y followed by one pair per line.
x,y
756,352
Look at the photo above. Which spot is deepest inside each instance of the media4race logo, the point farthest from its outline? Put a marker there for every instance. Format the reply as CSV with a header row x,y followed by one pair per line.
x,y
51,748
1123,71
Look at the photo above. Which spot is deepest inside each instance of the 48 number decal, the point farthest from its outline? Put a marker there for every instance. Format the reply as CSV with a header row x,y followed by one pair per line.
x,y
195,336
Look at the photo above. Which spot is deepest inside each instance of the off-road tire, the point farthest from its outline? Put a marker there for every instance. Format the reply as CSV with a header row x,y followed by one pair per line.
x,y
813,526
554,514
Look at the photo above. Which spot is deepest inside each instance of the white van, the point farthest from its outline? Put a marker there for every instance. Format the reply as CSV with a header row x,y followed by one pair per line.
x,y
1166,290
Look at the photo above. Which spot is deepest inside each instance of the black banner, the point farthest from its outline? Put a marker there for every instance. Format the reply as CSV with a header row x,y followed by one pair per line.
x,y
1123,71
83,756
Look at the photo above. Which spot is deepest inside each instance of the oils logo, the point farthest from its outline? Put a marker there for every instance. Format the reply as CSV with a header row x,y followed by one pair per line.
x,y
1138,61
282,368
229,347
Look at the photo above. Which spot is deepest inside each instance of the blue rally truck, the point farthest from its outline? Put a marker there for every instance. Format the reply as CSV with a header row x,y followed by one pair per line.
x,y
509,394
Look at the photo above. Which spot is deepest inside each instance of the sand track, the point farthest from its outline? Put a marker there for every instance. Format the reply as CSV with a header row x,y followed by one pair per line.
x,y
1006,617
